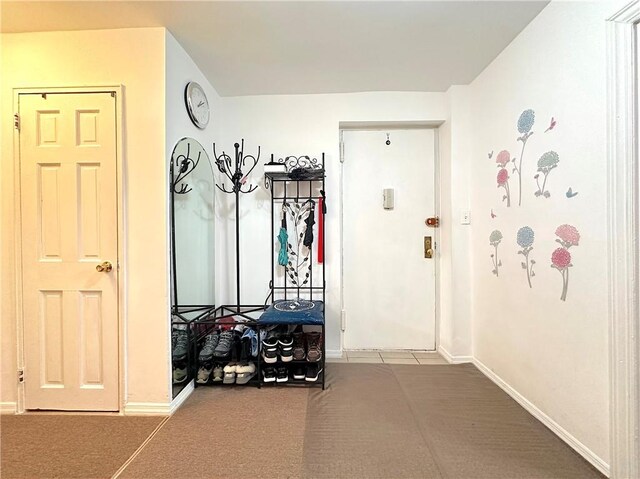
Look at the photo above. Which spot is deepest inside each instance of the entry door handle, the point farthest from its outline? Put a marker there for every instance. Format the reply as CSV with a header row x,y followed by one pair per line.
x,y
104,267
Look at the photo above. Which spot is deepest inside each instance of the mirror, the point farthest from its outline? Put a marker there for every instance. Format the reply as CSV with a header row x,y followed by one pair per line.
x,y
192,190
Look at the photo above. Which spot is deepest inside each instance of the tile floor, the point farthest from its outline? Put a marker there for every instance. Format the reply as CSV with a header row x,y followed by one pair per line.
x,y
390,357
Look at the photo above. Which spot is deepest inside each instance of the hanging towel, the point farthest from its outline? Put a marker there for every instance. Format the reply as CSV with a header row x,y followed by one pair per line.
x,y
321,211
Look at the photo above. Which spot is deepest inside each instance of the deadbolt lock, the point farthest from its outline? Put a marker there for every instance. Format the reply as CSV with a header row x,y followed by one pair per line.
x,y
104,267
428,247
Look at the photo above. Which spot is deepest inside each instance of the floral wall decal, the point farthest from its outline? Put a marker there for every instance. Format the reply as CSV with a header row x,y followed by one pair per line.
x,y
494,240
525,239
568,236
503,182
547,162
525,123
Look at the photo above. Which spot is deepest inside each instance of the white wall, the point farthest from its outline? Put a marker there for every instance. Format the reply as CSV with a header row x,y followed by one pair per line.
x,y
296,125
552,352
135,59
195,220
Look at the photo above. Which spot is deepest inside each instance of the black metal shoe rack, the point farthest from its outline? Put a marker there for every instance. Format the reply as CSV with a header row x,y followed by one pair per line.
x,y
283,188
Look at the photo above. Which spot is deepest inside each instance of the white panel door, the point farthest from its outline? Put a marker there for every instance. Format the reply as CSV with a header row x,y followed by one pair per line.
x,y
69,227
389,286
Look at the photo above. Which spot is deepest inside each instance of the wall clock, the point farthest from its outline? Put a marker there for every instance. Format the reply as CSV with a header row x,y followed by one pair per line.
x,y
197,105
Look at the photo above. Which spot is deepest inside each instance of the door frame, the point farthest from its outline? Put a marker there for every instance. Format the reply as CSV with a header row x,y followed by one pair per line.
x,y
118,91
391,126
624,254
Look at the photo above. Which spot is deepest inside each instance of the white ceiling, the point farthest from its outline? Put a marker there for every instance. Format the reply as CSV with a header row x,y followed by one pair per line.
x,y
257,48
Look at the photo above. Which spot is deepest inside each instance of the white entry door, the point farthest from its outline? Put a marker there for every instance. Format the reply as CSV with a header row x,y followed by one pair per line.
x,y
69,229
389,285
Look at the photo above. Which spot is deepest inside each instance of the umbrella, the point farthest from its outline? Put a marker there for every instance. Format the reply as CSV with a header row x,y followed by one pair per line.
x,y
283,237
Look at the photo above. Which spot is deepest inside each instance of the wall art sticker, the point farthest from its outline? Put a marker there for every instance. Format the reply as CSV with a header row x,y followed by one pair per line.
x,y
568,236
570,193
552,125
547,162
490,155
525,123
525,239
503,175
494,240
493,215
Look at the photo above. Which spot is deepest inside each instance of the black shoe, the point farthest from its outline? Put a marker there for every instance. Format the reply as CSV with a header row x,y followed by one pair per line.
x,y
286,354
298,373
269,375
283,375
313,373
285,341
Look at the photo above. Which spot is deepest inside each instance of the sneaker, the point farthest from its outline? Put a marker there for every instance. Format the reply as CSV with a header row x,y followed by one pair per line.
x,y
224,346
313,373
269,374
286,355
271,341
210,343
282,375
245,373
298,373
179,375
218,373
314,348
270,356
250,335
180,342
285,341
229,374
299,353
203,374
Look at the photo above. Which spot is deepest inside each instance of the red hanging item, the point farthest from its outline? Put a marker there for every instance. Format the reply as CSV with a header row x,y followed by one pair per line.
x,y
321,230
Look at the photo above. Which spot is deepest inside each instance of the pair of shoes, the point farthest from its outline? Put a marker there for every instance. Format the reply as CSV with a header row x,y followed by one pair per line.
x,y
279,374
179,344
238,373
311,374
274,346
307,345
205,370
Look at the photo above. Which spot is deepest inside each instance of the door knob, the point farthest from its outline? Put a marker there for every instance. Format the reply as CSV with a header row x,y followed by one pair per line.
x,y
104,267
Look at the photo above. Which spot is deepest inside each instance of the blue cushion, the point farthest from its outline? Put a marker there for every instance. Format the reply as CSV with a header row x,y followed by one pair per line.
x,y
293,312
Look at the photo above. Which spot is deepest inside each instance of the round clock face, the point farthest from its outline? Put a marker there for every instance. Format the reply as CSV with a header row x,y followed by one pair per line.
x,y
197,105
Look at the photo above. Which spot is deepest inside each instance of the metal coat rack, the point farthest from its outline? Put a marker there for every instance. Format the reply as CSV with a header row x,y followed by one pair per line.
x,y
234,169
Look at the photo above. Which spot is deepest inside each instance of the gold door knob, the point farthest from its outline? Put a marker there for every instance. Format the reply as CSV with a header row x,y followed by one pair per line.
x,y
104,267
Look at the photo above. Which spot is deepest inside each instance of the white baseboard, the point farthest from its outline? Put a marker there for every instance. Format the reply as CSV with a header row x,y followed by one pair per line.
x,y
7,407
333,353
158,408
454,359
182,397
558,430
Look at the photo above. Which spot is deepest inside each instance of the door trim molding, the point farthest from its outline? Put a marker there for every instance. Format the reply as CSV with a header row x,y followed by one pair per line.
x,y
623,253
121,271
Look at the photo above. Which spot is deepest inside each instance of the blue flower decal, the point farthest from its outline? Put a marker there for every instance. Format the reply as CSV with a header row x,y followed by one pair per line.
x,y
525,122
525,236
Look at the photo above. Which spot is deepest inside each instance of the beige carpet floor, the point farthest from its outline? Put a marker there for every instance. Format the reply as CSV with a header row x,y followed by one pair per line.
x,y
373,421
35,446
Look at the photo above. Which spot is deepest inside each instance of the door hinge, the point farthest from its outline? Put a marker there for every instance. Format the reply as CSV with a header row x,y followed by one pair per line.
x,y
341,148
20,375
343,320
16,121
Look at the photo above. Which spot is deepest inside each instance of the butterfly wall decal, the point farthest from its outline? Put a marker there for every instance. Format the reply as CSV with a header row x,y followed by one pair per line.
x,y
552,125
490,155
570,193
493,215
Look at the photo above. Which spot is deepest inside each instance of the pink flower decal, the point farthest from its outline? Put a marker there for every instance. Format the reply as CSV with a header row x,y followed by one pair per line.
x,y
503,158
503,177
561,258
569,235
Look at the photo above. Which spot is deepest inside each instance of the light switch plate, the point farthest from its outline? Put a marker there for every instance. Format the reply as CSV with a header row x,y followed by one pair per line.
x,y
465,218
